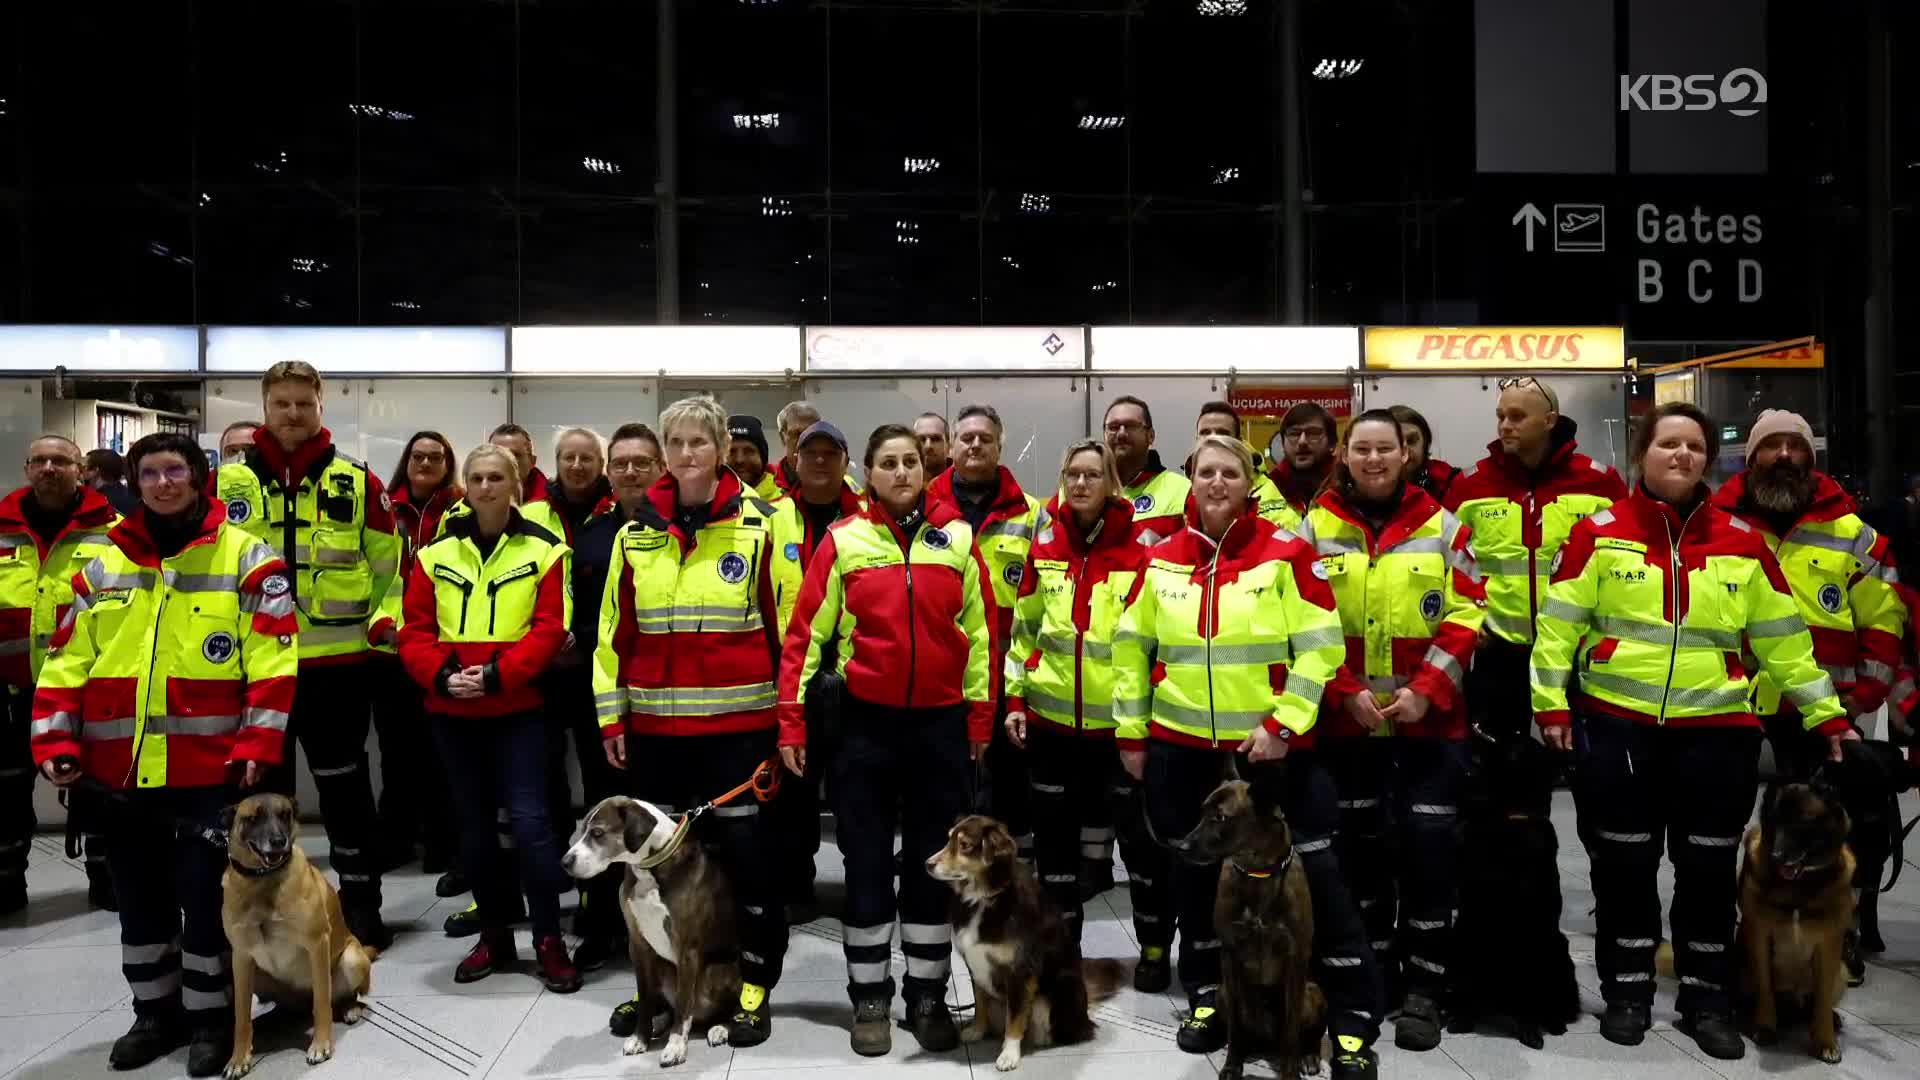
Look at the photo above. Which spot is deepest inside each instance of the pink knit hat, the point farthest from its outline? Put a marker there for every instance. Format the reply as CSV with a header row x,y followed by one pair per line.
x,y
1778,422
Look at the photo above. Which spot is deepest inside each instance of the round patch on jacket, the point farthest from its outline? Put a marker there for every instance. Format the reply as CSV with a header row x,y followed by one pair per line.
x,y
733,568
275,585
1430,605
386,502
218,648
1142,504
238,511
1554,566
1320,569
792,552
937,539
1830,598
1013,573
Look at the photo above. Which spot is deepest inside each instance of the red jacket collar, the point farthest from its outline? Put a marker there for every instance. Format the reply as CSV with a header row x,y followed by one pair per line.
x,y
1661,519
1008,501
535,489
785,479
936,515
1560,452
849,502
293,466
1830,501
1116,525
439,499
1416,508
94,509
1290,482
133,537
665,496
1151,469
1238,536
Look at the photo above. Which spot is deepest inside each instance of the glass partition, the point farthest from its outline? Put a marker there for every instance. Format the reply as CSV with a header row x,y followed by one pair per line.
x,y
858,405
464,410
1042,416
546,407
20,422
1175,401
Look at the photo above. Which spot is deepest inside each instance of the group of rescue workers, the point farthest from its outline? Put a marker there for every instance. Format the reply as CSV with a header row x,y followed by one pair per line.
x,y
933,641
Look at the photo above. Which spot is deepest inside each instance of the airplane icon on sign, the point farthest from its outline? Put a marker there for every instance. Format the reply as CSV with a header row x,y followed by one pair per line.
x,y
1579,227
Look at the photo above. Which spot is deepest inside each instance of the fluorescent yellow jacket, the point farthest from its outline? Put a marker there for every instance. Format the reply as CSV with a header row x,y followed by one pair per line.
x,y
36,581
1219,639
1060,661
1159,498
1647,615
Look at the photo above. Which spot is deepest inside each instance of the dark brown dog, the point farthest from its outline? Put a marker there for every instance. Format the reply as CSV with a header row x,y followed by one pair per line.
x,y
1264,917
680,920
1029,982
290,943
1796,905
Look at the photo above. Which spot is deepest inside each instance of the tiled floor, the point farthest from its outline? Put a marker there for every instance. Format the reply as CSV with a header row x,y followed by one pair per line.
x,y
62,1002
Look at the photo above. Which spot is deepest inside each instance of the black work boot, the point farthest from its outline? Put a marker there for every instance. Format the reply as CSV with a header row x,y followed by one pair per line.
x,y
1715,1034
1205,1029
932,1024
1626,1023
1359,1064
210,1049
1418,1027
100,894
872,1029
363,922
1154,973
148,1040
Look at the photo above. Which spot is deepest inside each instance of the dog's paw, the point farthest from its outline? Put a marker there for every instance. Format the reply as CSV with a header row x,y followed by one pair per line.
x,y
1308,1066
319,1051
1839,1021
675,1052
351,1014
633,1046
238,1066
1828,1054
1009,1058
717,1035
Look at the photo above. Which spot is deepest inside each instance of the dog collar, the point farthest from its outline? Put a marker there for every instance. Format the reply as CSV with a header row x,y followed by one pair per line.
x,y
1277,868
254,871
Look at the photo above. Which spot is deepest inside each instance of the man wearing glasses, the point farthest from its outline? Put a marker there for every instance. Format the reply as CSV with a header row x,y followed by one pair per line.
x,y
1158,494
49,531
1521,501
1307,438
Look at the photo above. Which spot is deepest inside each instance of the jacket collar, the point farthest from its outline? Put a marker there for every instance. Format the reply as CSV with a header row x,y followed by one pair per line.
x,y
535,489
467,525
933,515
1561,445
1414,509
1151,469
664,496
438,499
1240,534
93,509
1830,500
1662,519
1008,499
1116,524
133,536
283,466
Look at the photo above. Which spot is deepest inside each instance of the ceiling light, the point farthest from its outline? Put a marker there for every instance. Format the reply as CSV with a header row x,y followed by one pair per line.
x,y
1031,203
776,207
920,165
1010,261
596,165
906,232
404,305
1331,68
755,121
379,112
1227,175
1223,7
1091,122
1105,286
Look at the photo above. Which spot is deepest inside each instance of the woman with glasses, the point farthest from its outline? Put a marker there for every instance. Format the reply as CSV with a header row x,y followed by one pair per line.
x,y
169,684
1059,686
414,805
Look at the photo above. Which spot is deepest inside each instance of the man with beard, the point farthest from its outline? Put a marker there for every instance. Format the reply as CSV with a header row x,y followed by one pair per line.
x,y
1158,494
1307,439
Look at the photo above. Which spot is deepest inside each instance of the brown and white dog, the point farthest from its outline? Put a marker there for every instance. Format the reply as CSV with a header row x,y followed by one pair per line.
x,y
290,943
1029,982
679,920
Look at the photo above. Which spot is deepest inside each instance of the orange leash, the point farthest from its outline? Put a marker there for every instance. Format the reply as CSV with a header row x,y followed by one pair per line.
x,y
764,783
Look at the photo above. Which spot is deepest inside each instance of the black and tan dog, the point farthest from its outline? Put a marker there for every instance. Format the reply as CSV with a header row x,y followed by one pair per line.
x,y
1796,906
290,944
1029,982
681,930
1516,966
1264,916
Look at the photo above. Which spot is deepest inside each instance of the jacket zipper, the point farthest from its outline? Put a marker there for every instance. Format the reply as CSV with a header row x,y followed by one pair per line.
x,y
913,639
1082,593
1212,614
1533,554
1674,581
146,688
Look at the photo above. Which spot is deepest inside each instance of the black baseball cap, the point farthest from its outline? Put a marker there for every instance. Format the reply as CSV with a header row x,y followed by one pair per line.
x,y
822,429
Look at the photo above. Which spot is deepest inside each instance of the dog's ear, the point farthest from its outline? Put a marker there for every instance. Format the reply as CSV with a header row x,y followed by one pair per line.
x,y
225,820
1266,786
1769,799
639,826
999,843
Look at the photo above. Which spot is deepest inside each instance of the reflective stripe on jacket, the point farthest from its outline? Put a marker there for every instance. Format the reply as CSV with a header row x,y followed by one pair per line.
x,y
165,672
1520,518
506,611
1844,582
1220,638
1647,616
909,614
794,544
686,644
1059,665
1411,603
36,578
331,522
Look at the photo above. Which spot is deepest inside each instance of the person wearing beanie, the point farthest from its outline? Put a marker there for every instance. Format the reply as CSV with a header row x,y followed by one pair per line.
x,y
747,456
1844,583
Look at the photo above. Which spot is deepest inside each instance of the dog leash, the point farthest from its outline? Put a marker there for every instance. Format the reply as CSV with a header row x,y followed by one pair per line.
x,y
764,784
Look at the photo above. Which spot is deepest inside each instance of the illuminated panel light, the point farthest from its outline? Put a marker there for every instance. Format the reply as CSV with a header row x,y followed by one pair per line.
x,y
404,305
379,112
99,348
906,232
1227,175
1222,7
1338,69
645,350
156,248
1102,123
596,165
359,350
296,302
756,121
945,348
3,106
1104,286
1327,349
1010,261
921,165
308,266
771,206
1031,203
272,166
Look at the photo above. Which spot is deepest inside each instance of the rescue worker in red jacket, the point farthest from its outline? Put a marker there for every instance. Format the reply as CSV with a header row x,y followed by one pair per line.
x,y
684,673
1394,720
48,531
1642,632
486,611
901,590
1424,471
169,684
1158,494
1308,434
1059,685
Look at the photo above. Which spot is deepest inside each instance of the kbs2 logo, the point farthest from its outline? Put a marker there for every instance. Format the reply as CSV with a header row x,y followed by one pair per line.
x,y
1738,91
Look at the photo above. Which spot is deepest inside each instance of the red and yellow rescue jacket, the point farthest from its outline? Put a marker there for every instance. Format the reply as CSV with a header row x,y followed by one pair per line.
x,y
36,578
1411,604
1844,582
909,613
168,672
1159,498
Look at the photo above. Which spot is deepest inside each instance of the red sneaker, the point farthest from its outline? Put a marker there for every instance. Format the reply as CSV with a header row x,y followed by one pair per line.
x,y
491,953
556,970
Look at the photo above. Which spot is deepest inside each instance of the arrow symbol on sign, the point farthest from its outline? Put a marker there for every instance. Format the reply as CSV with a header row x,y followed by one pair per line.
x,y
1530,214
